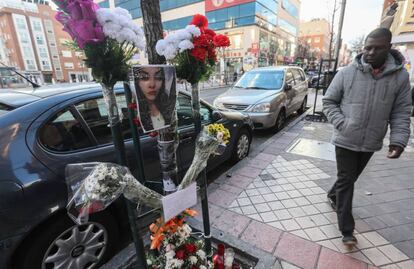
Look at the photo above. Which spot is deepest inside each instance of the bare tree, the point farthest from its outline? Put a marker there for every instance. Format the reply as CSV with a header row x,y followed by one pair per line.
x,y
357,44
332,32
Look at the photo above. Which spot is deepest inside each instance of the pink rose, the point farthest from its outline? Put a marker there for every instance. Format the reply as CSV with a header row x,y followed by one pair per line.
x,y
82,9
85,32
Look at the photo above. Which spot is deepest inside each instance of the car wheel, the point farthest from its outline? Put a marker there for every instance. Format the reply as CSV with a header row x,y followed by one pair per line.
x,y
242,147
303,106
280,121
62,244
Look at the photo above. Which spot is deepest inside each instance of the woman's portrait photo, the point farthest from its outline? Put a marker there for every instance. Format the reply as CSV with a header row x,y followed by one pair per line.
x,y
156,94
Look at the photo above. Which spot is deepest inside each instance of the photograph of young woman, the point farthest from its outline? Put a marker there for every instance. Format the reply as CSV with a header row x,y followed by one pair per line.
x,y
156,94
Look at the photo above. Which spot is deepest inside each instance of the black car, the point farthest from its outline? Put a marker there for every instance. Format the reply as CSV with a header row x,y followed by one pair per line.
x,y
45,129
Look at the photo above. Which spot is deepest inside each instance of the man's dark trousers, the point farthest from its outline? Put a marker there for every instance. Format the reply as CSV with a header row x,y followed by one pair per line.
x,y
350,165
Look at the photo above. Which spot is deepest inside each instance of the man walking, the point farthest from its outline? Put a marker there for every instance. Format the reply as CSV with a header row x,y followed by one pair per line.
x,y
361,101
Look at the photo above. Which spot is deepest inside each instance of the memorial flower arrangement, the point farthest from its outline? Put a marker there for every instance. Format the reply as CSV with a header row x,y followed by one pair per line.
x,y
108,38
174,247
193,50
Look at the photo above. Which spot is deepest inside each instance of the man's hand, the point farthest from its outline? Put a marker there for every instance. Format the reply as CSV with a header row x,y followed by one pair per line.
x,y
394,152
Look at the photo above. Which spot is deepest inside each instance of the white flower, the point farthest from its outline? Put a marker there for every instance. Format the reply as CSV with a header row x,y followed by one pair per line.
x,y
194,30
104,15
170,254
149,262
174,263
122,13
193,259
201,254
169,247
161,46
183,34
202,267
220,136
170,52
185,45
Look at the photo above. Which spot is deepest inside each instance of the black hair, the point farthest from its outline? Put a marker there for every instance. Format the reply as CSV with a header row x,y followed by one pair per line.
x,y
380,33
164,103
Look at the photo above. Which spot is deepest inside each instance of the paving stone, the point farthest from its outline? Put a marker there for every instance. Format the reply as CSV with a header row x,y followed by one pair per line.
x,y
306,192
268,217
259,184
362,226
407,247
331,216
360,256
299,185
329,259
331,231
319,220
244,201
297,251
252,192
282,195
328,244
301,201
301,234
276,188
406,265
221,198
286,265
282,214
324,207
230,189
261,235
287,187
289,203
390,266
393,253
257,199
315,234
248,210
341,247
398,233
310,184
248,171
269,197
277,225
234,204
297,212
310,210
294,194
271,183
275,205
363,242
255,217
305,222
375,223
231,223
315,199
376,256
264,190
237,210
290,225
262,208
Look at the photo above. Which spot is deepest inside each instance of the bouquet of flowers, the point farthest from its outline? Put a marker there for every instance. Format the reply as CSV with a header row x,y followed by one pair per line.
x,y
109,39
192,50
173,247
212,140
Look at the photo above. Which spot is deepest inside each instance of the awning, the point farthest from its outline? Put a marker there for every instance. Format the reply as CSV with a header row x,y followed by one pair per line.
x,y
403,38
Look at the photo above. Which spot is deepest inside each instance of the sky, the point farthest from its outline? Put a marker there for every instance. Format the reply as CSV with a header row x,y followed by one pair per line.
x,y
361,16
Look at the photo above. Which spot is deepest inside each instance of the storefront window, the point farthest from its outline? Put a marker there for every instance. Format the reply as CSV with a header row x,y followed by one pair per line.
x,y
176,24
232,17
290,8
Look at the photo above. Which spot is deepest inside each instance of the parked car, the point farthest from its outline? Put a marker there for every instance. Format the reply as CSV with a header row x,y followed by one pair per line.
x,y
268,95
45,129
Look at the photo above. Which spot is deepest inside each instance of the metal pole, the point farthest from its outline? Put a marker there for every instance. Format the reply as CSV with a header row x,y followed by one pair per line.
x,y
339,41
195,99
132,217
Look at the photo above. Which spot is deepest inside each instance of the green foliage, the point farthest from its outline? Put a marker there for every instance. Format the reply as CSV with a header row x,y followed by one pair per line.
x,y
192,70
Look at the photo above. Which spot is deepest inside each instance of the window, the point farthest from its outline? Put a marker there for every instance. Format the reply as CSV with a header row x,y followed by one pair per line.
x,y
289,78
69,65
170,4
63,133
290,8
78,53
176,24
43,52
298,76
287,27
39,40
37,26
67,53
234,16
184,111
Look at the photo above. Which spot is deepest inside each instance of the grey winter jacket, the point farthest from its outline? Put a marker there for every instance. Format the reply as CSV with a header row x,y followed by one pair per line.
x,y
360,106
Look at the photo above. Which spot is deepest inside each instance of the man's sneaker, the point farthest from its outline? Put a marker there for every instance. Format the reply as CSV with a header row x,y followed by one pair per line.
x,y
349,240
332,202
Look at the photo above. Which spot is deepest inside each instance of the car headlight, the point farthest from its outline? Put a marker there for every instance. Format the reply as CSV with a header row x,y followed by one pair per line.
x,y
262,107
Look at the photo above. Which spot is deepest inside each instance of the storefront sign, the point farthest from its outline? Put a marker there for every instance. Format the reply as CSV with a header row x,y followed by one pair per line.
x,y
255,48
217,4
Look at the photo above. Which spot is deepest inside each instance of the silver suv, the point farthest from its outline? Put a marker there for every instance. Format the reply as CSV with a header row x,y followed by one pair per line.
x,y
268,95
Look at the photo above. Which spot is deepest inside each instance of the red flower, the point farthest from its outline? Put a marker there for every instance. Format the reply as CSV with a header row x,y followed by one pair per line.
x,y
199,54
190,248
132,105
153,134
200,21
201,41
180,254
136,121
210,33
221,41
194,267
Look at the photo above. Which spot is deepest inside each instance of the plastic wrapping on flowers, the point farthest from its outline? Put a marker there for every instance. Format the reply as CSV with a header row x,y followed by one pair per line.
x,y
172,245
92,187
212,140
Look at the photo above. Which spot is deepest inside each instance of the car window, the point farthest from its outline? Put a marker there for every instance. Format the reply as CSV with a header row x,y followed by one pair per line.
x,y
95,114
184,110
261,80
297,75
289,78
205,114
63,132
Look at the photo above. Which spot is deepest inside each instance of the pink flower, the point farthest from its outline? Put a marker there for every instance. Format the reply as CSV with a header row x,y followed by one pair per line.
x,y
85,32
82,9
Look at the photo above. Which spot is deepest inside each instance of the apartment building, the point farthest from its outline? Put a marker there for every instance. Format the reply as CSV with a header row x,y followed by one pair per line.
x,y
32,42
316,33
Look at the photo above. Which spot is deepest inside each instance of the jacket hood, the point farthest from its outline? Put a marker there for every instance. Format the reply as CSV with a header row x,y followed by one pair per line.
x,y
394,62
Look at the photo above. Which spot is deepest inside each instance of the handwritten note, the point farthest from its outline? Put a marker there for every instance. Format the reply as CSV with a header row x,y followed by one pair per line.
x,y
175,203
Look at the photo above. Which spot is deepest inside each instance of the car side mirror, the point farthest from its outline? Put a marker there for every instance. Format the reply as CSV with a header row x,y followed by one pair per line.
x,y
288,87
216,115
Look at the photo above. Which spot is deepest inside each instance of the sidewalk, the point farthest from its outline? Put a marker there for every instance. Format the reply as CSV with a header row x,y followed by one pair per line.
x,y
276,201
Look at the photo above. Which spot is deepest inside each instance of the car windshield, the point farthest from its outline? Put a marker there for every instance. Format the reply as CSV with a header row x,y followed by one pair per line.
x,y
4,109
261,80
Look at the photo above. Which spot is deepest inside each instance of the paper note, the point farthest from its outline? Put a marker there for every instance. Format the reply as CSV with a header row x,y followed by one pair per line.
x,y
175,203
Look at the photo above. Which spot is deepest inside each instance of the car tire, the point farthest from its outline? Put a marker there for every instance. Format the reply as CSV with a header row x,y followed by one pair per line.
x,y
280,120
242,146
87,246
302,108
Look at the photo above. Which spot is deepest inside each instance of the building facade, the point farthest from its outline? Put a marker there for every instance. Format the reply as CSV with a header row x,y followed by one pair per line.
x,y
262,32
316,33
402,28
32,42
